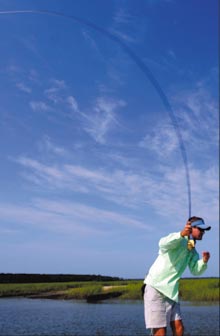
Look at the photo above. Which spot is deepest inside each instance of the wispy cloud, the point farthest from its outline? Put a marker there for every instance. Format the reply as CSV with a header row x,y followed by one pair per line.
x,y
44,219
71,101
46,144
23,87
67,218
88,174
118,186
103,118
122,16
126,25
55,91
39,106
162,140
93,216
98,119
45,172
90,40
166,194
197,115
197,112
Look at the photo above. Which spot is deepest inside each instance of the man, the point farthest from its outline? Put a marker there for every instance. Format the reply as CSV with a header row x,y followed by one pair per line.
x,y
176,252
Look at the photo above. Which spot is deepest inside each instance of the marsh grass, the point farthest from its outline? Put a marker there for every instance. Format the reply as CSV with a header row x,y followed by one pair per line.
x,y
83,291
205,289
132,291
34,288
198,289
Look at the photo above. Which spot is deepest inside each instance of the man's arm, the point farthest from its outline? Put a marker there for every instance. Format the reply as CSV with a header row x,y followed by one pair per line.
x,y
196,265
174,239
170,242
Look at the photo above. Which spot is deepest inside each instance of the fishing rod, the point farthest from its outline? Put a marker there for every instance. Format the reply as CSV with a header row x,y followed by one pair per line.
x,y
145,70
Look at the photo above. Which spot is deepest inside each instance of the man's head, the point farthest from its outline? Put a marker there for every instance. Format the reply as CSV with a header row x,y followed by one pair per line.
x,y
198,227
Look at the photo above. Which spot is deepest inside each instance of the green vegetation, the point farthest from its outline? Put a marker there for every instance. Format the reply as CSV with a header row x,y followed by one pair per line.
x,y
83,291
34,288
43,278
202,289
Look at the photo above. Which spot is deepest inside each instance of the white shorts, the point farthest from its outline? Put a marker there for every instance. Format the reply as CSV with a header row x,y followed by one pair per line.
x,y
159,310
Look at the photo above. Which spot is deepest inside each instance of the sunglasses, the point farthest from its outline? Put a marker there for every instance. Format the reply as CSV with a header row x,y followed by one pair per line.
x,y
202,230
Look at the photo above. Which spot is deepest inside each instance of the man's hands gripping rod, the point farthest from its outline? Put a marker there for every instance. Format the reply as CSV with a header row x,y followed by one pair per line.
x,y
186,232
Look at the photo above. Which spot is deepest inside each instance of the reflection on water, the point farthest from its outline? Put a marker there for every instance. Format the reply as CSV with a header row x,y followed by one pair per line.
x,y
19,316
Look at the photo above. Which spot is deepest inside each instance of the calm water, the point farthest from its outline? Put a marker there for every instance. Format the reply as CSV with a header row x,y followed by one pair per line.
x,y
19,316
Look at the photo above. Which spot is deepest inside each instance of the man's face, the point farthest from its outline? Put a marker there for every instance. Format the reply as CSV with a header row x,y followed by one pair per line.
x,y
197,233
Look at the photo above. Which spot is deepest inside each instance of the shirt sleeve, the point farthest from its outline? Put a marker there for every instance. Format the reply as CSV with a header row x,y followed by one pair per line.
x,y
170,242
197,266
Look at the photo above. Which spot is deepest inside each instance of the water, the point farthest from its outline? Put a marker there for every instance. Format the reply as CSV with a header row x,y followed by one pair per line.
x,y
42,317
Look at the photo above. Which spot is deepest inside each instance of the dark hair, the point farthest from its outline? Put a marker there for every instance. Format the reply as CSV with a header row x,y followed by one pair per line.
x,y
194,218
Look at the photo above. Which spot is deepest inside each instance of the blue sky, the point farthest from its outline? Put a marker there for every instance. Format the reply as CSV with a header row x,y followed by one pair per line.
x,y
92,174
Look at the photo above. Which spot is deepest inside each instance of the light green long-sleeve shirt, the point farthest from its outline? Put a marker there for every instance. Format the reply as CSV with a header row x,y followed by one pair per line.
x,y
170,264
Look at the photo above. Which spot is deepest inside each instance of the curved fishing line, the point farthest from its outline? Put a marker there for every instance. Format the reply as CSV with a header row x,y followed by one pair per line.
x,y
142,66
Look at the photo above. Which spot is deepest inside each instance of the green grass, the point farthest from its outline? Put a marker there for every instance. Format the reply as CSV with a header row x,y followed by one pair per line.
x,y
132,291
34,288
202,289
84,291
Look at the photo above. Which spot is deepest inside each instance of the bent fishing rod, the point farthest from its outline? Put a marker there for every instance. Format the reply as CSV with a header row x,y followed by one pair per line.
x,y
144,69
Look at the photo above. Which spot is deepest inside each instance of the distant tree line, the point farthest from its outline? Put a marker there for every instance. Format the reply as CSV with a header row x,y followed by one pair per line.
x,y
37,278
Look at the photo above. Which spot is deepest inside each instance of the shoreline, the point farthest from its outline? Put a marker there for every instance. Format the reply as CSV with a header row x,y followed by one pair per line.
x,y
115,300
192,290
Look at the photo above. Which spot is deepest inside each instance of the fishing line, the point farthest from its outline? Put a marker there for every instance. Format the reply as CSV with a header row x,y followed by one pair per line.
x,y
145,70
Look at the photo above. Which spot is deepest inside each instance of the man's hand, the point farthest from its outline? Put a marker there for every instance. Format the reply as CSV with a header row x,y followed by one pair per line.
x,y
205,256
187,229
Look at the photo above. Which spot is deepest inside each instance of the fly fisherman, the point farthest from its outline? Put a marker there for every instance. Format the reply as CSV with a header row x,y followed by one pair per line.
x,y
161,294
